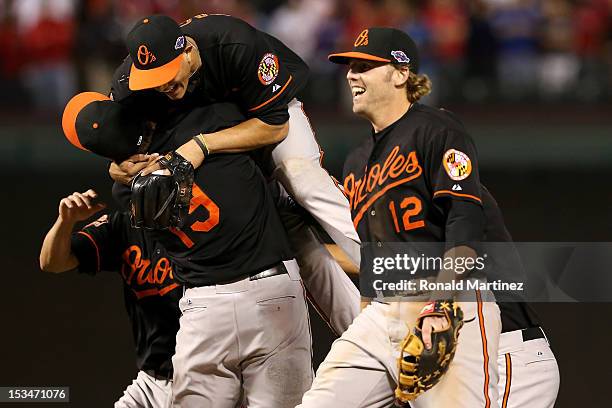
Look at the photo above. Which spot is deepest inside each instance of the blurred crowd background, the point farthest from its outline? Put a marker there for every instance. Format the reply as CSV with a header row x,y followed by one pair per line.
x,y
475,51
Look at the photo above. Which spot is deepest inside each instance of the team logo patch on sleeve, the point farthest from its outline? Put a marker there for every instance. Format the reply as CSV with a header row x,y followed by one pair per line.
x,y
457,164
268,69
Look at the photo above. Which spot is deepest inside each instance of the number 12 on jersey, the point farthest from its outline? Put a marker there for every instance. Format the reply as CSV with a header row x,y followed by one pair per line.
x,y
412,207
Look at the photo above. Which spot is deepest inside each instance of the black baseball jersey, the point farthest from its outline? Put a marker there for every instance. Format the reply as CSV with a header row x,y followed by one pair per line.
x,y
151,293
398,177
233,228
515,315
240,64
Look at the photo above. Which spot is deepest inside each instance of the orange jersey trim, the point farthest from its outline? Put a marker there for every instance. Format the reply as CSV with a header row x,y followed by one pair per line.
x,y
443,192
274,97
93,241
376,196
508,381
485,352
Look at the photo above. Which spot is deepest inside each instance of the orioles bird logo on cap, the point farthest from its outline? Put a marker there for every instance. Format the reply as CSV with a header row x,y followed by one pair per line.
x,y
144,55
362,38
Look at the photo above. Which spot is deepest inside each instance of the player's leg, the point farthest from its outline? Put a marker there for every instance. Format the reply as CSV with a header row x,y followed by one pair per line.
x,y
357,370
528,371
472,378
329,289
206,350
275,342
145,391
297,166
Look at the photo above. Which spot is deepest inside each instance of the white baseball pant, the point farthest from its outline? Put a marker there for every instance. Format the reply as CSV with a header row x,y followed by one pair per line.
x,y
361,367
145,391
297,165
331,292
248,336
528,372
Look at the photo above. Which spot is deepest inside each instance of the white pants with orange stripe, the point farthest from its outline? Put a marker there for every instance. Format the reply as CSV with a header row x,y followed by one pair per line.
x,y
528,372
297,165
361,367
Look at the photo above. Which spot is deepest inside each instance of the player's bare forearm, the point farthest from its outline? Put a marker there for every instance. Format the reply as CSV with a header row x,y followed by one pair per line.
x,y
56,254
343,260
448,275
248,135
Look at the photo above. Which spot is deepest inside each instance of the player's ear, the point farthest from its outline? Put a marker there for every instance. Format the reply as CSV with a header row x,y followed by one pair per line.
x,y
401,75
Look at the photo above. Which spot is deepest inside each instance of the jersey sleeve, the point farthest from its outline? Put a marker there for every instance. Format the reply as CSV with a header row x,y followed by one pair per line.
x,y
263,80
453,170
96,244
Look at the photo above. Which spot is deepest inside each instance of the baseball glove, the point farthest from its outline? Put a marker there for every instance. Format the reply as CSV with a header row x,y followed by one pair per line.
x,y
420,369
162,201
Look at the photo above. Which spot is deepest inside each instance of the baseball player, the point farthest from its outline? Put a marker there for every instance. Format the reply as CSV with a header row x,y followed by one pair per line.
x,y
212,58
528,370
419,183
150,292
244,325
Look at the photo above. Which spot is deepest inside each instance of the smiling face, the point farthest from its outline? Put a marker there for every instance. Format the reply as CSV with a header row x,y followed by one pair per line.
x,y
175,89
371,86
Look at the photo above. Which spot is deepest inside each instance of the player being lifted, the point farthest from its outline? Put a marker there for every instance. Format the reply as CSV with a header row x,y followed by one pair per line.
x,y
214,58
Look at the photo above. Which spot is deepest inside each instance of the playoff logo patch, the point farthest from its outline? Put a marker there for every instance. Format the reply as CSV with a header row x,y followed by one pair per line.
x,y
457,164
268,69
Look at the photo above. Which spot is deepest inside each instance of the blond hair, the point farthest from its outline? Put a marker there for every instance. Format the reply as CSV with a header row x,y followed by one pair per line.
x,y
417,86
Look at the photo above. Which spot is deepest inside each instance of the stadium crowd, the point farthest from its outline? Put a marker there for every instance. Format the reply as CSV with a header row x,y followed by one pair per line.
x,y
475,50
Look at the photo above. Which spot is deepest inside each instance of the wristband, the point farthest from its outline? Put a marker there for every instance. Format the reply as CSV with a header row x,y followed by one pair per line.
x,y
202,145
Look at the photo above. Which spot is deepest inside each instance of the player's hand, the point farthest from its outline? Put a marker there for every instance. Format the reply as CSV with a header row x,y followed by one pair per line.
x,y
431,324
190,151
79,207
125,171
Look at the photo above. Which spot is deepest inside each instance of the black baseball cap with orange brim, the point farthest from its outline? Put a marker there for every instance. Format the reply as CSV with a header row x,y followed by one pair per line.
x,y
94,123
382,44
156,44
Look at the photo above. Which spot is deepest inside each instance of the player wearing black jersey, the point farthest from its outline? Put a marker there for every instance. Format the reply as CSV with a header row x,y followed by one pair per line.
x,y
243,313
419,183
216,58
528,370
151,293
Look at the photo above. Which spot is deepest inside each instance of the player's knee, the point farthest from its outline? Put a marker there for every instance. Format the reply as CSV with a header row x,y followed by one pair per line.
x,y
300,177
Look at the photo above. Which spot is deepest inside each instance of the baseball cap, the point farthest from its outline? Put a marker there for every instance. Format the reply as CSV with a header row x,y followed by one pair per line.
x,y
93,122
155,44
383,44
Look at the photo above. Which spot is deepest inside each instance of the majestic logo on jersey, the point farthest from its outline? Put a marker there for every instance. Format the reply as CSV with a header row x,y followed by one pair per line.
x,y
400,57
145,56
268,69
457,164
362,38
145,279
396,170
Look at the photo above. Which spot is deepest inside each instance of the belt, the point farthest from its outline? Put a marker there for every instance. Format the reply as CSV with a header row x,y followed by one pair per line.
x,y
279,269
532,333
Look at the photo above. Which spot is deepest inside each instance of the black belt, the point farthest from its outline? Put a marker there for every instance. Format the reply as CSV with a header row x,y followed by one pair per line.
x,y
279,269
533,333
